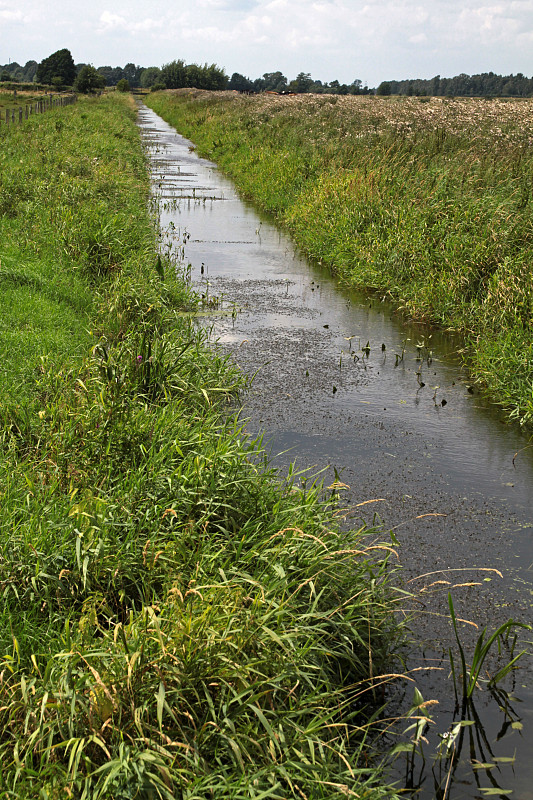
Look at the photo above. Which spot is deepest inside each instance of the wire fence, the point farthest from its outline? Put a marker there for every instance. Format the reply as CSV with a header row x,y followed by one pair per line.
x,y
15,115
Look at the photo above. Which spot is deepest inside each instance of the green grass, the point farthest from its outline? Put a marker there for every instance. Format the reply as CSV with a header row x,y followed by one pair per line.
x,y
425,203
60,226
40,317
175,622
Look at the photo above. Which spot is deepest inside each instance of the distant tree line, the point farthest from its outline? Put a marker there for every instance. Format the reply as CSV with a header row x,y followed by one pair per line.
x,y
60,70
486,84
129,73
177,75
16,73
277,82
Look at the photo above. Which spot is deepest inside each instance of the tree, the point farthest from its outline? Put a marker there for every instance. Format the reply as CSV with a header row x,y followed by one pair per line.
x,y
215,78
434,86
150,76
302,83
271,82
123,85
89,80
112,75
132,74
356,87
195,77
178,75
30,68
13,71
58,68
240,84
174,74
384,89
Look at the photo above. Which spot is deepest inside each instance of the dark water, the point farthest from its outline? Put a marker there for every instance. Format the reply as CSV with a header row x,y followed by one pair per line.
x,y
401,424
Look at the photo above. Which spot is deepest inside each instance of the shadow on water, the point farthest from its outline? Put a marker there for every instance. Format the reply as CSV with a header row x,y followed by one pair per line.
x,y
343,383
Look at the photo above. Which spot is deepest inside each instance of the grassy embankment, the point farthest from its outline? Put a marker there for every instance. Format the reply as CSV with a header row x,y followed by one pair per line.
x,y
174,623
428,202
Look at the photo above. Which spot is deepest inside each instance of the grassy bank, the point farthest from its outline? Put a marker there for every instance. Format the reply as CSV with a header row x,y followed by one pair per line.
x,y
174,623
425,201
69,206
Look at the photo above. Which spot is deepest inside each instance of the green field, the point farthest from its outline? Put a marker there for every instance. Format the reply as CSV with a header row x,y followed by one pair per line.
x,y
424,201
175,622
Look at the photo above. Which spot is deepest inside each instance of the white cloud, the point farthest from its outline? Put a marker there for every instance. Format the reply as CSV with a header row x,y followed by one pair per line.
x,y
211,3
11,16
109,23
344,39
487,24
208,34
12,13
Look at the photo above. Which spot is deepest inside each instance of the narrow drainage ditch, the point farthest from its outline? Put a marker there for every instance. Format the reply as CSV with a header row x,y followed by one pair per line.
x,y
343,385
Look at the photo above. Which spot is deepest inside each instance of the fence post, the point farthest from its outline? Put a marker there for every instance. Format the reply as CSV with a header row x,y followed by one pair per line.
x,y
39,107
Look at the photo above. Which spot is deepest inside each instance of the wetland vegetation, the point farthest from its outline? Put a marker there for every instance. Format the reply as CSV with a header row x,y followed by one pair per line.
x,y
423,201
174,621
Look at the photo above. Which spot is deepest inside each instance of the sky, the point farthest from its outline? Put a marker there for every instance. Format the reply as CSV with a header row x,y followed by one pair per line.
x,y
368,40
